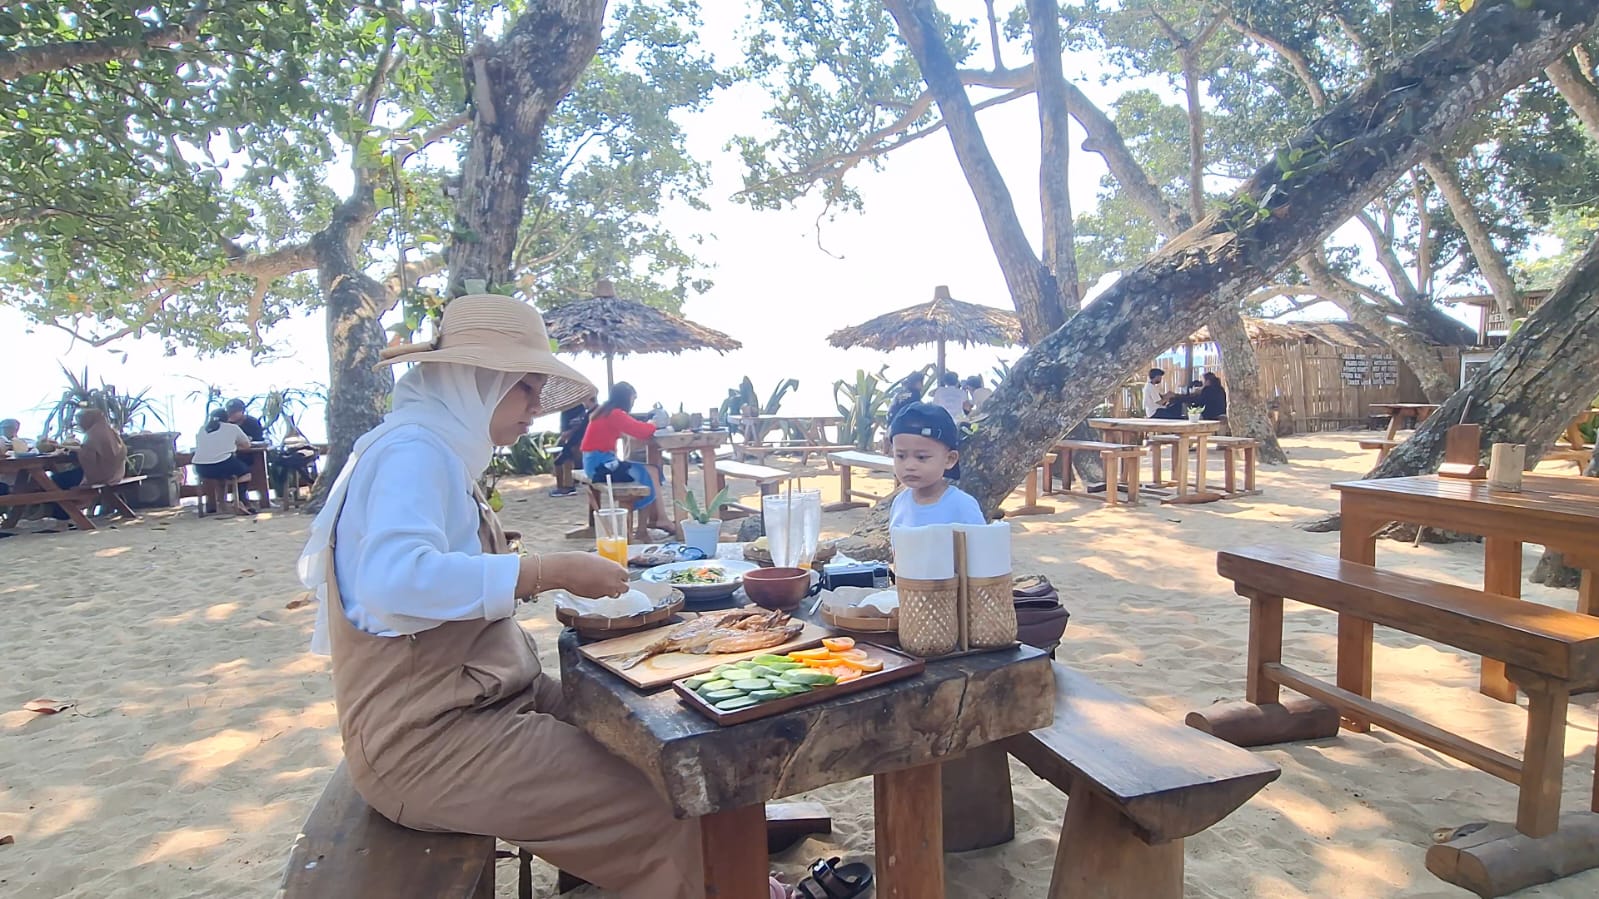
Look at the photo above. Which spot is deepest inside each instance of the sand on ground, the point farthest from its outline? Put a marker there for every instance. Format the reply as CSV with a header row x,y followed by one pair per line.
x,y
203,730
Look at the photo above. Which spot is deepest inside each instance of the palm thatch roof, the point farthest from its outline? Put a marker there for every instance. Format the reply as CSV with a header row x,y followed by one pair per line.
x,y
607,325
1340,334
944,320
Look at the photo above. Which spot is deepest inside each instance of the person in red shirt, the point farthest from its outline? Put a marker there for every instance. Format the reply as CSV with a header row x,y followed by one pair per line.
x,y
607,425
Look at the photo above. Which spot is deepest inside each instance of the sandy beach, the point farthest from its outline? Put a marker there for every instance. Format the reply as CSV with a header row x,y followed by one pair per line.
x,y
202,729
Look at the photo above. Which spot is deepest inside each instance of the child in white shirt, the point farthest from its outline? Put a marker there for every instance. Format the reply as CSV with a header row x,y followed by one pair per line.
x,y
926,458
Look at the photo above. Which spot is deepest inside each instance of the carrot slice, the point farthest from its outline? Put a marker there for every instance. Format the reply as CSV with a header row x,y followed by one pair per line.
x,y
826,664
845,675
838,644
867,665
820,652
856,654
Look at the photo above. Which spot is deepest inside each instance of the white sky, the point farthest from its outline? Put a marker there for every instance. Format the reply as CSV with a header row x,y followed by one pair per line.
x,y
774,289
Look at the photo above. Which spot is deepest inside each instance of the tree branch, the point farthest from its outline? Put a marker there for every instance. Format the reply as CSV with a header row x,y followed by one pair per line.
x,y
993,35
1490,261
1568,77
1054,160
1296,60
39,58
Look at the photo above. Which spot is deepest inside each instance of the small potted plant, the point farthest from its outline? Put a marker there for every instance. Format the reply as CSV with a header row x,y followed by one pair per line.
x,y
703,530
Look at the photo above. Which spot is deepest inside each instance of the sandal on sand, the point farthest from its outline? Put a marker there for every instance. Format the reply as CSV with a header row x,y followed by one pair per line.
x,y
830,880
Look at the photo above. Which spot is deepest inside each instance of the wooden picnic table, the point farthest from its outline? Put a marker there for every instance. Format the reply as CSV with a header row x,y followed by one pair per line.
x,y
680,445
900,733
757,428
1398,413
1561,513
1188,433
29,479
258,484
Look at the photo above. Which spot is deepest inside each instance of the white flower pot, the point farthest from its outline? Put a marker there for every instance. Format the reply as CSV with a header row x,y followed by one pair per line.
x,y
703,537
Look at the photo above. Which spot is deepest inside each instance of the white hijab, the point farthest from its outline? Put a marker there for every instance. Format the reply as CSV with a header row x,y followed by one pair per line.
x,y
451,401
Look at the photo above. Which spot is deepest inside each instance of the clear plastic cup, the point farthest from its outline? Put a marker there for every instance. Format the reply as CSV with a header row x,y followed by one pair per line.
x,y
610,534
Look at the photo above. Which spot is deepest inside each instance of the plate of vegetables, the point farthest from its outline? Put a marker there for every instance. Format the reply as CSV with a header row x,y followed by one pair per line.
x,y
701,580
772,684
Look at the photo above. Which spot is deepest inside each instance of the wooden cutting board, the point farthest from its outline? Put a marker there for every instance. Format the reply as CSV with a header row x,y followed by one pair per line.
x,y
658,671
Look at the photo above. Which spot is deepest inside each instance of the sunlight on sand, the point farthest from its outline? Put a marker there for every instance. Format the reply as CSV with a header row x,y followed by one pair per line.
x,y
205,730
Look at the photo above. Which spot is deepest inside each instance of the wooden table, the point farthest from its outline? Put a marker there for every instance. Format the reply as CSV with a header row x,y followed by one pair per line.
x,y
899,733
757,428
1188,433
680,445
1558,512
29,478
258,483
1398,412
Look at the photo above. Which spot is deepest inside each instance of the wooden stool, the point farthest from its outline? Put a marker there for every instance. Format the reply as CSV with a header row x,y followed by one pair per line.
x,y
1120,461
1157,443
1232,448
217,490
1037,478
628,496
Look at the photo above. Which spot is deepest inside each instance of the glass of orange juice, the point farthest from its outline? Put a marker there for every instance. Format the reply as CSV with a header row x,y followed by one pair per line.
x,y
610,534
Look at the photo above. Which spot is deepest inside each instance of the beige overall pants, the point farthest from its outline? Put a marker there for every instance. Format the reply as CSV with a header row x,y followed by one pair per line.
x,y
455,729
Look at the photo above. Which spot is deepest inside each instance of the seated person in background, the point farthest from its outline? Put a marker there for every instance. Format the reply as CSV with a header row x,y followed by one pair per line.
x,y
926,447
950,396
976,394
102,458
249,424
216,450
609,424
1154,397
909,392
1211,398
10,430
574,423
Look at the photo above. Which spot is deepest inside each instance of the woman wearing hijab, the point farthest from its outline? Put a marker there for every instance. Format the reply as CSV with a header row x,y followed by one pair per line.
x,y
447,721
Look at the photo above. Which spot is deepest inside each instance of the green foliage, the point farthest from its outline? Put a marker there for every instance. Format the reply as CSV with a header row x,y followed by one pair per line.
x,y
123,411
744,395
705,515
283,407
864,405
531,454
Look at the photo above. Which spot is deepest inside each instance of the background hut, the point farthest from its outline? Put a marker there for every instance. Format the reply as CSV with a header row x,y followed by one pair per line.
x,y
607,325
1318,375
944,321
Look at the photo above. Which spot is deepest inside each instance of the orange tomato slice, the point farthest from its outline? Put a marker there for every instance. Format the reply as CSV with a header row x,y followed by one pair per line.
x,y
856,654
867,665
820,652
821,664
845,675
839,644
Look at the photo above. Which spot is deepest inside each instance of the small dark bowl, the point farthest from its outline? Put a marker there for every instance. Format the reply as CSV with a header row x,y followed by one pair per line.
x,y
781,589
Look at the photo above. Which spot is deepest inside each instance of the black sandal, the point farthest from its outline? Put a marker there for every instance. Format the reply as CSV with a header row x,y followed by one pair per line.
x,y
830,880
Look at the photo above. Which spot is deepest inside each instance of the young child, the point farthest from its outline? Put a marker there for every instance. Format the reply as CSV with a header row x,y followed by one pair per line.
x,y
927,455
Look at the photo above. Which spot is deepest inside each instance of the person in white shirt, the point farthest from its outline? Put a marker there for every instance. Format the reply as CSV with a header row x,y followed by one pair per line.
x,y
448,722
976,394
950,396
12,439
217,446
1154,397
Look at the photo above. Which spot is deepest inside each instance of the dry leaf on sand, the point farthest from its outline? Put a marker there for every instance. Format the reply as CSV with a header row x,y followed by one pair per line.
x,y
48,706
304,599
7,839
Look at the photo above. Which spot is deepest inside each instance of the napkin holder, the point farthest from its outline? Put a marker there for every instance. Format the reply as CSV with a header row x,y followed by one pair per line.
x,y
930,619
987,605
1463,454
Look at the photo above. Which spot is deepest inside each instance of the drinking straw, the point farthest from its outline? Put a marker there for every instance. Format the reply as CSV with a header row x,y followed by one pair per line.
x,y
610,494
788,529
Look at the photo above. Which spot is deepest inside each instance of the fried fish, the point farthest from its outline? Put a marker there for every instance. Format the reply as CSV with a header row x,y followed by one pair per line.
x,y
740,630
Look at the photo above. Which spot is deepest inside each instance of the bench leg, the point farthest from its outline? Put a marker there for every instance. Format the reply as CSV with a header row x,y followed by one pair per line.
x,y
1154,460
1538,805
979,810
1249,469
1229,470
1131,476
1265,645
1112,479
1101,856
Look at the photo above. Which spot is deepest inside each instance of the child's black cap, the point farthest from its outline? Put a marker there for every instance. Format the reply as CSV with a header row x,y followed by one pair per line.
x,y
926,420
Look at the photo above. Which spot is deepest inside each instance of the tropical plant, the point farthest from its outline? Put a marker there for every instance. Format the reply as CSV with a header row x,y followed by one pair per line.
x,y
122,410
705,514
744,395
531,454
864,406
284,406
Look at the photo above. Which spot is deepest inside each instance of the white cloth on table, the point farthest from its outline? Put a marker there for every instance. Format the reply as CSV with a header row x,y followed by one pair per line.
x,y
211,447
408,556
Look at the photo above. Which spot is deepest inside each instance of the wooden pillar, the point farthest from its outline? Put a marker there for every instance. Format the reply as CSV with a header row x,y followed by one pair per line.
x,y
910,834
734,850
1102,857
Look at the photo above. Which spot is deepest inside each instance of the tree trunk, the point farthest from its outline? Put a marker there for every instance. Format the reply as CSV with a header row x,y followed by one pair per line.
x,y
1490,261
357,391
1412,346
1579,90
1246,407
1032,288
515,84
1054,161
1359,147
1552,570
1532,388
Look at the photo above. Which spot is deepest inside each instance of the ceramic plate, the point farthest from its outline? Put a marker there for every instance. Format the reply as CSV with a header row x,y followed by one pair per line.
x,y
662,574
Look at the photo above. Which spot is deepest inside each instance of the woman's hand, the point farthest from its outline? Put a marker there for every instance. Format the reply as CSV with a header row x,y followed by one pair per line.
x,y
581,574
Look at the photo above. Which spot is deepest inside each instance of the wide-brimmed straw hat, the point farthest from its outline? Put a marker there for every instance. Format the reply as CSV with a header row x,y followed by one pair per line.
x,y
490,331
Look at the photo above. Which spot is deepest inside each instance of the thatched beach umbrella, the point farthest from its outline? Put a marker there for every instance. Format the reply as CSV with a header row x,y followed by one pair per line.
x,y
607,325
944,320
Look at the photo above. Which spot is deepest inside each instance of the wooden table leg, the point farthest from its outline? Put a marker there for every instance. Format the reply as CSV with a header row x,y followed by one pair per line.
x,y
1180,466
1357,543
1588,593
260,483
734,850
1201,448
1543,759
1393,424
910,833
979,810
1501,574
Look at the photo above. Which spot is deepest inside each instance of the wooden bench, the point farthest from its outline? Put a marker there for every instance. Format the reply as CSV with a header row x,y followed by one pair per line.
x,y
214,492
1121,463
1232,448
347,849
77,502
768,479
1549,653
760,451
1036,485
1383,445
851,459
628,496
1139,784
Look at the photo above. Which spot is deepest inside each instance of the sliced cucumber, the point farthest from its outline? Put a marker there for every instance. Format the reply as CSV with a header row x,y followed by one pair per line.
x,y
698,681
750,685
810,677
768,659
763,671
785,666
788,688
735,703
716,696
717,684
766,695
